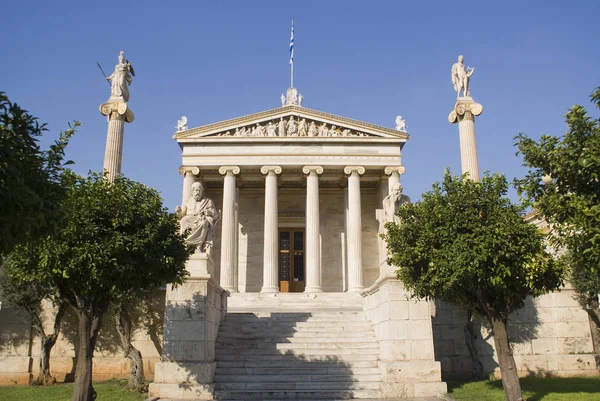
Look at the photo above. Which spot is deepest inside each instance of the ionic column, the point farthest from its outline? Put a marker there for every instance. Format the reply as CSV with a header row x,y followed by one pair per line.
x,y
117,113
394,173
354,234
228,244
189,177
464,113
271,227
313,248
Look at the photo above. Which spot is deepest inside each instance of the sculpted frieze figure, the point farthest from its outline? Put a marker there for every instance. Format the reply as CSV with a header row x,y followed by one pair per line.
x,y
392,202
302,125
461,76
292,128
323,131
281,127
121,78
271,129
312,129
198,215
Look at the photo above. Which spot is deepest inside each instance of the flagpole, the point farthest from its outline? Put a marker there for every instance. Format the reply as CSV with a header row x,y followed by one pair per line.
x,y
292,56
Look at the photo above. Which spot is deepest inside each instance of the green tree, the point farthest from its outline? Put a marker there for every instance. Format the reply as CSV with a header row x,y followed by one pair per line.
x,y
27,295
115,239
465,243
29,176
563,186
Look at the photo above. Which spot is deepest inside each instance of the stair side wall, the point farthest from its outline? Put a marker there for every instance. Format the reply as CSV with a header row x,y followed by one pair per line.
x,y
405,336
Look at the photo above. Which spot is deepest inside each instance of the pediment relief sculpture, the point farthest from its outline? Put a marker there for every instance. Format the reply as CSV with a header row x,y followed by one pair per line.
x,y
292,126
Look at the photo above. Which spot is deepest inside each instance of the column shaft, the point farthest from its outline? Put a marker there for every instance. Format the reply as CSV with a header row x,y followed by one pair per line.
x,y
355,268
271,228
468,150
228,245
313,248
114,146
188,180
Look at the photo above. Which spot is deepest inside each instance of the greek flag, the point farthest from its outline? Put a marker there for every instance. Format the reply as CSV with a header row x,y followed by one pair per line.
x,y
292,45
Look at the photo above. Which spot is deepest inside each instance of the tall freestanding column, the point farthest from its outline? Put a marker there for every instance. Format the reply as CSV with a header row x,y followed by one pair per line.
x,y
228,229
313,246
118,113
271,240
464,114
354,234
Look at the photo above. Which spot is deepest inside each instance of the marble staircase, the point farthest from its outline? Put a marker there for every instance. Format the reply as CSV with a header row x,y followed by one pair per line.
x,y
324,353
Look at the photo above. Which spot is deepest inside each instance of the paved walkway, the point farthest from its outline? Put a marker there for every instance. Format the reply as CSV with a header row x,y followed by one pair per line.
x,y
370,399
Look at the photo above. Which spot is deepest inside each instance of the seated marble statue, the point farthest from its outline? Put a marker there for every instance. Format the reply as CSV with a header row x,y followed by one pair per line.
x,y
392,202
198,215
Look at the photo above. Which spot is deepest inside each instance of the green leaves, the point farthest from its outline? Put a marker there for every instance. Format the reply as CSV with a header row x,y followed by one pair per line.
x,y
29,177
571,202
467,244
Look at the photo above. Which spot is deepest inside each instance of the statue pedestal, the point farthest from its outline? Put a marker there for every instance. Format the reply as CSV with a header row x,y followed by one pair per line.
x,y
193,313
200,265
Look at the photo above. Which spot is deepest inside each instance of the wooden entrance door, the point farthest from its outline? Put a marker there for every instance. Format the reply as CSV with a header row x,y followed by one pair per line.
x,y
291,260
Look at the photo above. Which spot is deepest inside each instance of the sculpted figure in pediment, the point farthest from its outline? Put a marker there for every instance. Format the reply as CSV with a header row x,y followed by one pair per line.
x,y
292,128
346,132
271,131
334,131
312,129
198,215
323,131
259,130
302,127
281,127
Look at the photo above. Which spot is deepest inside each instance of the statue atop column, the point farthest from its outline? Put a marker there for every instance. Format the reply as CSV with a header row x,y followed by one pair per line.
x,y
198,215
461,76
120,79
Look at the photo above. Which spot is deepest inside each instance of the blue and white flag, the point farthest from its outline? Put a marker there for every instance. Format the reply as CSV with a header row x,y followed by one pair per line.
x,y
292,45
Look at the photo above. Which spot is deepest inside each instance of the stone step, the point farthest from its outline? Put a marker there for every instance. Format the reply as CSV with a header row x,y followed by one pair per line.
x,y
258,345
278,330
297,378
250,340
291,317
296,395
322,357
295,385
264,352
296,323
326,370
293,363
299,334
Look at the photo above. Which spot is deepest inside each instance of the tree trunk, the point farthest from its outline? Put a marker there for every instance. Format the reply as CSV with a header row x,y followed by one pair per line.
x,y
47,342
89,325
594,319
45,378
137,380
508,367
470,337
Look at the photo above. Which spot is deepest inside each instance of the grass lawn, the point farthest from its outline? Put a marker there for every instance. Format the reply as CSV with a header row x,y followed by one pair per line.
x,y
534,389
107,391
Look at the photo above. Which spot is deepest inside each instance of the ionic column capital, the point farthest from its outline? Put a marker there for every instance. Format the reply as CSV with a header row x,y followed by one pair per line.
x,y
308,170
270,170
465,109
187,170
117,111
349,170
389,170
229,170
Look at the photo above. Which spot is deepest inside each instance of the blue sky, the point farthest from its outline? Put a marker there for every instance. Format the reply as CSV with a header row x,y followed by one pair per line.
x,y
369,60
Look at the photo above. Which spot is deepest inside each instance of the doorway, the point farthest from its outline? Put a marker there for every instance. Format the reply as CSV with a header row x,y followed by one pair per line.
x,y
291,260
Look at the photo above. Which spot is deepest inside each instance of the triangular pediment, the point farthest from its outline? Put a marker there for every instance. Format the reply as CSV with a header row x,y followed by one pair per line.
x,y
290,121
